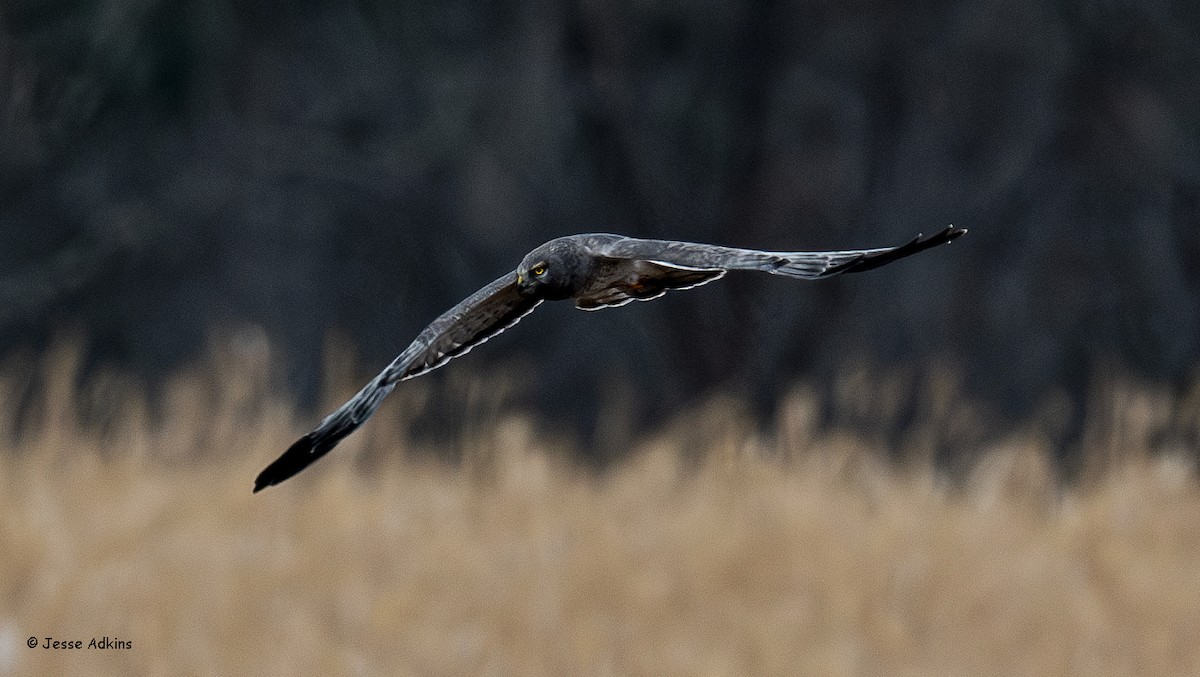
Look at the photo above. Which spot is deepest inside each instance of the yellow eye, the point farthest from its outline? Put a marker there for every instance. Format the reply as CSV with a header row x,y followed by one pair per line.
x,y
538,271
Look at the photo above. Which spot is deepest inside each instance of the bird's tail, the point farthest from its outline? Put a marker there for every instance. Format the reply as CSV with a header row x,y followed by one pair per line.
x,y
317,443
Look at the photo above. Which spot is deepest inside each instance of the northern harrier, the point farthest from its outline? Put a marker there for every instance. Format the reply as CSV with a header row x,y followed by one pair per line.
x,y
596,271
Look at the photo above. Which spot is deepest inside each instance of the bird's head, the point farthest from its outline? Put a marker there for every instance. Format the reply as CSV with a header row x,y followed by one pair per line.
x,y
554,271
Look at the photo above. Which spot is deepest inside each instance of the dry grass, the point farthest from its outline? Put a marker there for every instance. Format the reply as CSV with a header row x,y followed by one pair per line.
x,y
792,553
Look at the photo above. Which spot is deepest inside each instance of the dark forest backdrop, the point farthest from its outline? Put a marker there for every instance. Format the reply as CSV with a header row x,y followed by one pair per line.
x,y
171,168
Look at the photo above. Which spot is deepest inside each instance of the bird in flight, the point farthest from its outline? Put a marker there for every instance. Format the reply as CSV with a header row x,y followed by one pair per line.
x,y
596,271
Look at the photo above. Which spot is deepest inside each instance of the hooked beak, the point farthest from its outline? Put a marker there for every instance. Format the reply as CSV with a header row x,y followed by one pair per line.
x,y
523,283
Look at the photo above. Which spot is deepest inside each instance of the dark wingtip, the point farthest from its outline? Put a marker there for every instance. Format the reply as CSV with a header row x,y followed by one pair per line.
x,y
298,456
947,234
918,244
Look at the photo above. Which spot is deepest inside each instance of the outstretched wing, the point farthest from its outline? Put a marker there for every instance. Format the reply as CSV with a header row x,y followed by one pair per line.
x,y
481,316
806,265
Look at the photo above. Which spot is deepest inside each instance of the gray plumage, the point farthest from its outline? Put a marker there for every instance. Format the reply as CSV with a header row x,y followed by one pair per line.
x,y
596,270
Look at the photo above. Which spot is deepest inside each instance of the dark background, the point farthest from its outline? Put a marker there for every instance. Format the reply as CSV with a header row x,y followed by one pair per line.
x,y
168,169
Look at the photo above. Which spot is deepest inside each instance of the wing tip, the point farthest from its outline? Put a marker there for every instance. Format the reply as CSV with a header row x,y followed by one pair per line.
x,y
920,243
944,236
947,234
296,458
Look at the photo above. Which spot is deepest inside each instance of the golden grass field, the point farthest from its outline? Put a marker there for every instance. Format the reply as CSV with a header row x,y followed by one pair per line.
x,y
714,548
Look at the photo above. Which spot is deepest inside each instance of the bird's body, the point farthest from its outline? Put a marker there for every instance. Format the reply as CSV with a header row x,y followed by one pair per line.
x,y
595,270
